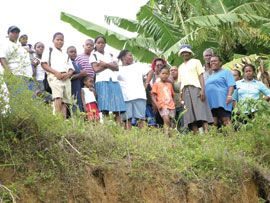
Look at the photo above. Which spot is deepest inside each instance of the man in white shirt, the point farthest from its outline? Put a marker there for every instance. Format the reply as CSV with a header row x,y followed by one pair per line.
x,y
15,59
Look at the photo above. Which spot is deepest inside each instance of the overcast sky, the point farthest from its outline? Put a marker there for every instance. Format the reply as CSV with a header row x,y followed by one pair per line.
x,y
40,19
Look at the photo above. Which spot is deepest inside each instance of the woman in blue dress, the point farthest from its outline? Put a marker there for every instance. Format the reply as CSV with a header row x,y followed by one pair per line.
x,y
109,93
219,88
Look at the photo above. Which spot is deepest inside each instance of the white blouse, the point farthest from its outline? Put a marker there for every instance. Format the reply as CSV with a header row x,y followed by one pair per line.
x,y
106,74
89,96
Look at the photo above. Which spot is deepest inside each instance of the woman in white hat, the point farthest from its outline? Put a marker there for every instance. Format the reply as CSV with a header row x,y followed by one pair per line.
x,y
193,91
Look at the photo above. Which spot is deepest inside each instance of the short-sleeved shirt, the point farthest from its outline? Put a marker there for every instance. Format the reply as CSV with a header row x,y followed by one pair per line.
x,y
217,87
131,80
40,72
164,94
17,58
59,60
188,73
250,90
83,60
107,74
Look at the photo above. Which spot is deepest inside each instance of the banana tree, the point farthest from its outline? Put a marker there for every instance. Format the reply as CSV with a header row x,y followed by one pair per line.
x,y
140,46
162,25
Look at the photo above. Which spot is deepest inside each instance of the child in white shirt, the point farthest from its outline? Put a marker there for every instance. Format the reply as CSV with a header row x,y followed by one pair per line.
x,y
89,99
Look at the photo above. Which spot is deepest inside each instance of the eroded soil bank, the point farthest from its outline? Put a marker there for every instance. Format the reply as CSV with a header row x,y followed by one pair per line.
x,y
121,185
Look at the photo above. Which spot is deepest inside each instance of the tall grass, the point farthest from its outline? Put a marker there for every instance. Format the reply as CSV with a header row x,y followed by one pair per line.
x,y
41,148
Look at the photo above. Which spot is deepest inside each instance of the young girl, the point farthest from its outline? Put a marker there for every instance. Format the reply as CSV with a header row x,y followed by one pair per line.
x,y
162,96
89,100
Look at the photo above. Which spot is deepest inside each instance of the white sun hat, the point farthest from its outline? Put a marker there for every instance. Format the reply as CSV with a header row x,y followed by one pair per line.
x,y
185,48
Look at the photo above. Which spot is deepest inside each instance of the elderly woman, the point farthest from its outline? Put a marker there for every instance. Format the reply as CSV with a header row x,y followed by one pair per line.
x,y
249,89
192,86
207,54
219,89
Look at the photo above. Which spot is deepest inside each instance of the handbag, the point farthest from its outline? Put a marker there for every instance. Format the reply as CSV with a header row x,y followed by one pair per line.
x,y
47,87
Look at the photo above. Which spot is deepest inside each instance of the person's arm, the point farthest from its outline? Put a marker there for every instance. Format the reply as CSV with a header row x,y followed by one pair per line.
x,y
99,67
230,82
82,74
266,91
172,91
49,69
202,93
68,74
229,97
75,76
5,65
154,102
35,62
181,97
149,78
113,66
154,97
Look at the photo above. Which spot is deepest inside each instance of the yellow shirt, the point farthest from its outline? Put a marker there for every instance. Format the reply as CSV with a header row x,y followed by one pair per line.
x,y
188,73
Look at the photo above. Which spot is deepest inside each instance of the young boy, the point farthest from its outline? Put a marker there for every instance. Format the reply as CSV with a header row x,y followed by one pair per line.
x,y
24,42
162,97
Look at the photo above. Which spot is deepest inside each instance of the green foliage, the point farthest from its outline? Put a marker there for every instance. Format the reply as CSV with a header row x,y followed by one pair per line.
x,y
257,60
45,151
116,40
228,26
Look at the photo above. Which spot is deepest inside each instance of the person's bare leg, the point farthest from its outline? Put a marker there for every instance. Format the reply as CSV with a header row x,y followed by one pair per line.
x,y
58,105
205,127
64,110
167,124
226,121
215,121
194,128
141,123
117,117
128,124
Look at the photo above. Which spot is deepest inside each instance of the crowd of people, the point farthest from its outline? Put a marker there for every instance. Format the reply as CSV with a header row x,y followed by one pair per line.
x,y
190,96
